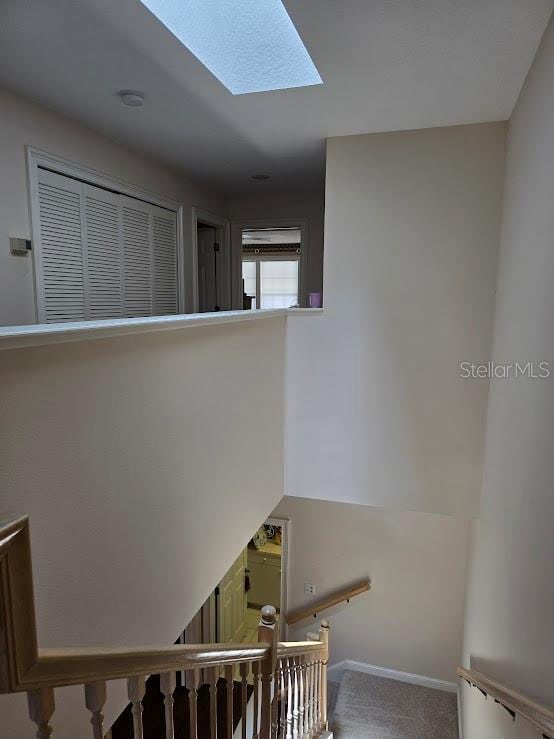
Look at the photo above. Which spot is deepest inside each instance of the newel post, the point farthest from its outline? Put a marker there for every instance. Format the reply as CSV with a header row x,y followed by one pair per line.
x,y
324,637
268,634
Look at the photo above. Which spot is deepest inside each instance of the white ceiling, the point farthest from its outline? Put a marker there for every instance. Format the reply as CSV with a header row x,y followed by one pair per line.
x,y
386,65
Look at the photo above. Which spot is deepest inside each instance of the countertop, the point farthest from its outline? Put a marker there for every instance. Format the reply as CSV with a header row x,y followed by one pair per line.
x,y
269,548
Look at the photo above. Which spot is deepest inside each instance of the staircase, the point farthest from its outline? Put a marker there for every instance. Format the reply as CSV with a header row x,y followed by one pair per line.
x,y
265,690
289,679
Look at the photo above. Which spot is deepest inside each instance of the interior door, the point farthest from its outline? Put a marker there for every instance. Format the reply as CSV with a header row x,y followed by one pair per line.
x,y
240,599
208,277
232,602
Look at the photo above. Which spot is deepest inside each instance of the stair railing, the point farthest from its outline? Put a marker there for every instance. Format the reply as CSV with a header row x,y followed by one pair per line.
x,y
289,678
341,596
538,715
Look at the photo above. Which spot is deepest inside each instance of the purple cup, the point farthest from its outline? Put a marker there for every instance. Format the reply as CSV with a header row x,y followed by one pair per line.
x,y
314,300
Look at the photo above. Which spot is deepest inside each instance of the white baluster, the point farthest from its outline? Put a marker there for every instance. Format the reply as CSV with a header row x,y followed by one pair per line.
x,y
301,696
290,699
167,686
275,704
295,706
307,729
324,637
317,714
256,697
307,688
305,702
312,690
194,677
244,670
95,698
319,725
213,674
41,708
136,687
229,699
283,716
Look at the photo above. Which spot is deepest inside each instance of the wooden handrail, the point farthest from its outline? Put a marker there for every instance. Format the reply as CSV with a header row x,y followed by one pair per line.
x,y
298,648
23,666
73,666
76,665
18,631
342,595
540,716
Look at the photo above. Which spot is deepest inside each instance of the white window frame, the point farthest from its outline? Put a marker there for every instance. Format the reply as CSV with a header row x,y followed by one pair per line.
x,y
239,226
36,159
285,525
259,258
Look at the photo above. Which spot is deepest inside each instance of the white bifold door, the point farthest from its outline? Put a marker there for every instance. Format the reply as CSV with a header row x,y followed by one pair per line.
x,y
233,602
102,254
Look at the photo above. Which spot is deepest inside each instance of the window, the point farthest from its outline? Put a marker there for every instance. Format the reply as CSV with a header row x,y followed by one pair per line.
x,y
271,267
101,254
279,283
249,275
250,46
271,283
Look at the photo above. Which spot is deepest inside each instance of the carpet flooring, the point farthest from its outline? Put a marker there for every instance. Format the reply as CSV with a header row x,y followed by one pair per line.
x,y
369,707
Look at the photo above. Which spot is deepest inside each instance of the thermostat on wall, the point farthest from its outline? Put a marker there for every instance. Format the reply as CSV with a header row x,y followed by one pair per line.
x,y
19,246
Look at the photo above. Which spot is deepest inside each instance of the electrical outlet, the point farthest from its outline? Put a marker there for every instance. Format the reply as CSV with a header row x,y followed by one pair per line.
x,y
309,588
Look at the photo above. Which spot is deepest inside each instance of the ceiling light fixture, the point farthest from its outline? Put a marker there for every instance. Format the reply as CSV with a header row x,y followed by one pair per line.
x,y
132,98
250,46
260,177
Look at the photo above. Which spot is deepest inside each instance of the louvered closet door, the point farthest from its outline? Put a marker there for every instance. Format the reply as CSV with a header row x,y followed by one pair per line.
x,y
137,257
164,232
62,287
104,254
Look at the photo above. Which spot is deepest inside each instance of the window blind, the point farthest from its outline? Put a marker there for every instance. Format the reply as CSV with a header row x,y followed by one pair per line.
x,y
103,254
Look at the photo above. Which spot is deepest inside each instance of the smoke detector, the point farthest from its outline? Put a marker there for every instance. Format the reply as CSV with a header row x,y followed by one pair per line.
x,y
132,98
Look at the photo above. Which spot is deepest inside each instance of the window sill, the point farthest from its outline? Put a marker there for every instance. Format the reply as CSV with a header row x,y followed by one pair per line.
x,y
15,337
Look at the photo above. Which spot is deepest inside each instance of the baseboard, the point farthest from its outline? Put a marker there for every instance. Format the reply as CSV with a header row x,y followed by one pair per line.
x,y
459,706
334,673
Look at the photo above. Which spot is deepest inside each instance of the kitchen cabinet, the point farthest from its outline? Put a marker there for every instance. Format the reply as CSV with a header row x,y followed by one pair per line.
x,y
265,576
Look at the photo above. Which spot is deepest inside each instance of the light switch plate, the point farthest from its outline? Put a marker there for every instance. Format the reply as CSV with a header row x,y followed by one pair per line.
x,y
21,247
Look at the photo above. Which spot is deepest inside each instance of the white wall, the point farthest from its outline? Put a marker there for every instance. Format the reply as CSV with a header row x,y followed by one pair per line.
x,y
510,616
411,620
376,410
145,464
308,205
24,123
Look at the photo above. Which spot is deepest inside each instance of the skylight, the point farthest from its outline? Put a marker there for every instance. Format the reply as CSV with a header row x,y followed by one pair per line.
x,y
249,45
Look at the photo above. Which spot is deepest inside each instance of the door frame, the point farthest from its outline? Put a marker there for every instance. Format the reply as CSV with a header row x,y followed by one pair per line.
x,y
37,158
207,614
237,227
284,523
223,226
